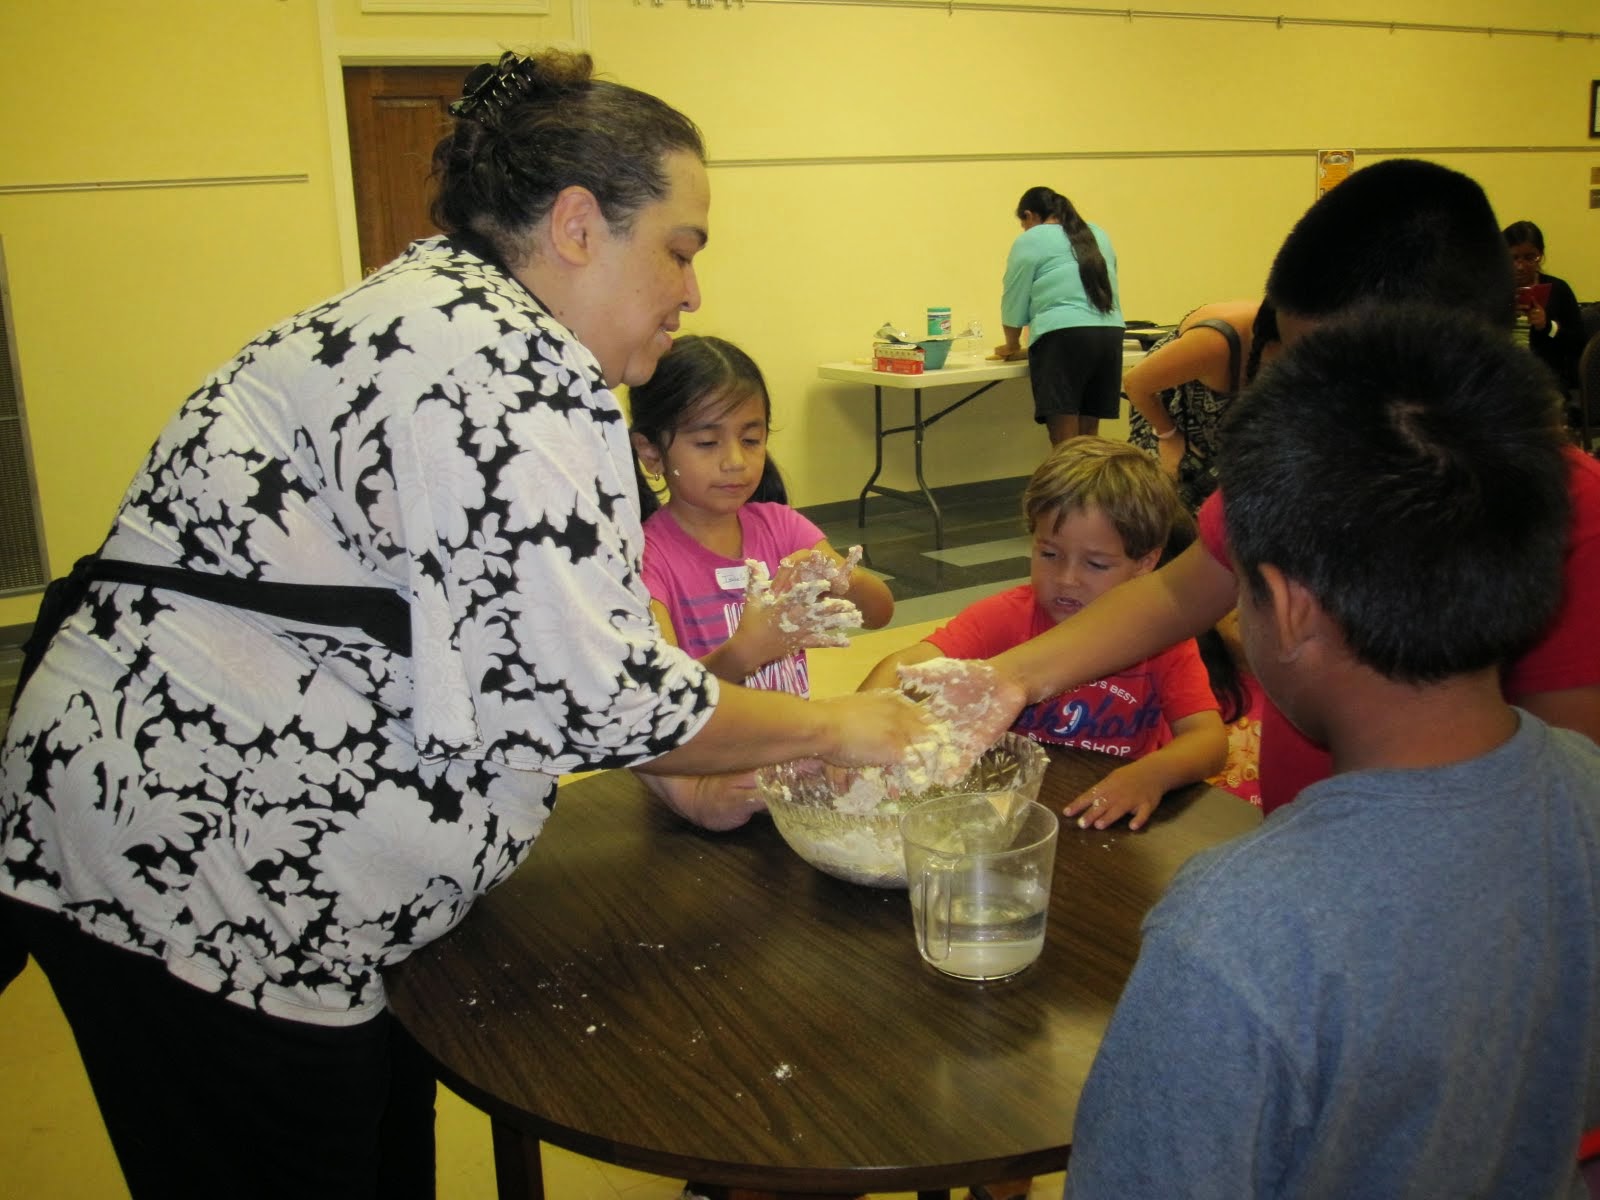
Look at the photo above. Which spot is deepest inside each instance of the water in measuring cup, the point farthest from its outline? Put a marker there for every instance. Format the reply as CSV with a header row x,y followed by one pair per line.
x,y
991,935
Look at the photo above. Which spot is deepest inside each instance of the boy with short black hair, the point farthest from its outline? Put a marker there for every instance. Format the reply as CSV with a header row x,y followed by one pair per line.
x,y
1393,987
1406,231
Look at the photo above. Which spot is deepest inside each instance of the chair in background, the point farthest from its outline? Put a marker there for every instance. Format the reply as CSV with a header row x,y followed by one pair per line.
x,y
1588,390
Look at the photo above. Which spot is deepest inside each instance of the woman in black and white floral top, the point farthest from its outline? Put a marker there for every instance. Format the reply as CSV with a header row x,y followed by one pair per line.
x,y
221,824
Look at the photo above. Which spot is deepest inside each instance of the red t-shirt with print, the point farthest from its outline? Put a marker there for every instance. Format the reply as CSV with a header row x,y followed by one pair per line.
x,y
1567,656
1128,714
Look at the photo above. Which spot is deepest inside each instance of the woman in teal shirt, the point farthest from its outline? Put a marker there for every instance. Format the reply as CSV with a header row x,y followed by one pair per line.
x,y
1061,282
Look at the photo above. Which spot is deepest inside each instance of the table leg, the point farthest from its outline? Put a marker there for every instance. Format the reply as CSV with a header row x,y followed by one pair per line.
x,y
518,1171
927,493
877,462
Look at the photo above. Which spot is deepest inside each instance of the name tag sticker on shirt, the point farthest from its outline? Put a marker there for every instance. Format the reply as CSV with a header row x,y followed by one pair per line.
x,y
733,579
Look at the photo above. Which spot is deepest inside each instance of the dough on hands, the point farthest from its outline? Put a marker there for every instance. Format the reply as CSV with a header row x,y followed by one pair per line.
x,y
969,708
800,594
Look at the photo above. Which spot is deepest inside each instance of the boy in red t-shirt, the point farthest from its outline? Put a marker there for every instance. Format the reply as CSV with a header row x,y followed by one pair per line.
x,y
1099,513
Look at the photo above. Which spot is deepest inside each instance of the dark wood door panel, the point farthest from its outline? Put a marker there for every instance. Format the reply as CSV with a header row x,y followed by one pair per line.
x,y
396,115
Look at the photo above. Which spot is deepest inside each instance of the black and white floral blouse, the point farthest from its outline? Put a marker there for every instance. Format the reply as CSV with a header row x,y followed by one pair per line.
x,y
279,809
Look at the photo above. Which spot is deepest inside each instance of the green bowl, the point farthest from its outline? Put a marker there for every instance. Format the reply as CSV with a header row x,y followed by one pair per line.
x,y
934,352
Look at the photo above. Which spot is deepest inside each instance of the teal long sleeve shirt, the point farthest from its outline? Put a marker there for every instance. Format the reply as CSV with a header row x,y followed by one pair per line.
x,y
1042,289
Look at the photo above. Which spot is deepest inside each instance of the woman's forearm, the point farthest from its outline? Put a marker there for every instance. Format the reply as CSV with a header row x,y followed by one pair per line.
x,y
753,729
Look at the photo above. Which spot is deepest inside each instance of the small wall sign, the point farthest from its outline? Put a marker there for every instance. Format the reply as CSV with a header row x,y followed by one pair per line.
x,y
1333,166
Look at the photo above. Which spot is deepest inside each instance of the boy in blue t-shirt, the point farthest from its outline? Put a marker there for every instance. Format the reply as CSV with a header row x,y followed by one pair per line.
x,y
1392,988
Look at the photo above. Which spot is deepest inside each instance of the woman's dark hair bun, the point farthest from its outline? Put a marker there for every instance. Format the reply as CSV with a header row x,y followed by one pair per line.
x,y
491,88
531,125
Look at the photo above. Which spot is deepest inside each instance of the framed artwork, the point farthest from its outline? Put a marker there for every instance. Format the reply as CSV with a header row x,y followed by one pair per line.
x,y
1594,109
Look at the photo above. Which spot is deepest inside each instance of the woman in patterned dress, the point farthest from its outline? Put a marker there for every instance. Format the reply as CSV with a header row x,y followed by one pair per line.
x,y
1179,392
218,824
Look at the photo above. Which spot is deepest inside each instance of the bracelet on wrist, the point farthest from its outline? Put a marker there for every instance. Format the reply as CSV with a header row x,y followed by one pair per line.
x,y
1171,433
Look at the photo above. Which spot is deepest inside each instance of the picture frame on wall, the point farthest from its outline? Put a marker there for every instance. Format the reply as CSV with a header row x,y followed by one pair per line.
x,y
1594,108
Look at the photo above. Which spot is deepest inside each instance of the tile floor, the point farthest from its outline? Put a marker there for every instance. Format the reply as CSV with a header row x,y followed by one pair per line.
x,y
51,1140
986,545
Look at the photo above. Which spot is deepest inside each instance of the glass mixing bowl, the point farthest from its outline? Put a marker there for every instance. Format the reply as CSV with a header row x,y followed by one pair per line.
x,y
842,823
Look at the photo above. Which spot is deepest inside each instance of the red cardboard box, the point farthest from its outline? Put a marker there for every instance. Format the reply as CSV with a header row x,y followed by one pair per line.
x,y
897,359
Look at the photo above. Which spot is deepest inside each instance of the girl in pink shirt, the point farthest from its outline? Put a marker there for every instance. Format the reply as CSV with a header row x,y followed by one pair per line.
x,y
714,503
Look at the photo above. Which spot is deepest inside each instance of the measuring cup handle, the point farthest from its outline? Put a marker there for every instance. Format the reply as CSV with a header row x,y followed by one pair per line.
x,y
925,891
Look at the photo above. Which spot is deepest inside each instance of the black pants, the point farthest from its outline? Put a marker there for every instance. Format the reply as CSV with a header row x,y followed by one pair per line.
x,y
1076,372
203,1097
13,954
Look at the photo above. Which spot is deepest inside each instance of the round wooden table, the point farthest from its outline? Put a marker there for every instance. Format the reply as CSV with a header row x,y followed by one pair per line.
x,y
709,1006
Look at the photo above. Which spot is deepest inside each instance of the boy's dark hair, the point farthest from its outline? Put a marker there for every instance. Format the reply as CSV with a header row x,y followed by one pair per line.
x,y
698,373
1402,230
1404,464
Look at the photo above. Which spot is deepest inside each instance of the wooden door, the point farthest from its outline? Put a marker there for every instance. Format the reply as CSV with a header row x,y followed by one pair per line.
x,y
396,116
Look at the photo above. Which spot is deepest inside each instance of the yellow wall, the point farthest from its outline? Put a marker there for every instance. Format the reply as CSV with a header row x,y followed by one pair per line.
x,y
124,298
1189,141
808,258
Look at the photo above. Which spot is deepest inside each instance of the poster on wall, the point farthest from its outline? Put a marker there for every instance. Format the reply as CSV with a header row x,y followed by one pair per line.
x,y
1333,166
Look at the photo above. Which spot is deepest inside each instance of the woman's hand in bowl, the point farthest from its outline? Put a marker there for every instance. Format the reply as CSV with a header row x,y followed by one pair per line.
x,y
971,706
875,728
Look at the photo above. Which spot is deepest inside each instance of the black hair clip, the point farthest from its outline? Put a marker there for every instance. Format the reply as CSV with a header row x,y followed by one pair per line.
x,y
491,87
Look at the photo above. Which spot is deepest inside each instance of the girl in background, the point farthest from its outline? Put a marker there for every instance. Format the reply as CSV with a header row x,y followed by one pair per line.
x,y
1061,282
699,429
1555,322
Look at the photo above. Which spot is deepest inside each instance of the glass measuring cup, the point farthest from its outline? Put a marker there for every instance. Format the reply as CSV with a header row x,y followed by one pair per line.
x,y
979,878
